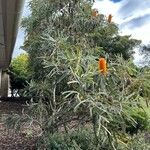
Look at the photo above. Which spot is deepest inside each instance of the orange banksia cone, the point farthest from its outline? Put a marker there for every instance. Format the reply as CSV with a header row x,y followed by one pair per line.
x,y
102,66
110,18
94,13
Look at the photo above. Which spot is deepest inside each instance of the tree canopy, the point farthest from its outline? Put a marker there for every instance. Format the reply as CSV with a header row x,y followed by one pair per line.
x,y
19,73
145,52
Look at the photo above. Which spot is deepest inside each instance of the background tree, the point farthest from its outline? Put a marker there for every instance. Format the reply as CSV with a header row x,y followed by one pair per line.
x,y
145,52
19,73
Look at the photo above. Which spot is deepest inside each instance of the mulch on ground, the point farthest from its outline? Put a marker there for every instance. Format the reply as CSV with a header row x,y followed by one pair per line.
x,y
10,140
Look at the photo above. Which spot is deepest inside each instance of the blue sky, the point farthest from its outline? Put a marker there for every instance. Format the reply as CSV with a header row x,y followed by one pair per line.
x,y
115,1
132,17
21,34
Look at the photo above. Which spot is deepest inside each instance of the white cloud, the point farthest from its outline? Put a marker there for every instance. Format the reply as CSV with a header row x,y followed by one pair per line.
x,y
108,7
125,13
134,8
142,33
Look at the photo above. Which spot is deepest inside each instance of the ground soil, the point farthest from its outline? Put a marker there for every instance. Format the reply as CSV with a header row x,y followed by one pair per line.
x,y
10,139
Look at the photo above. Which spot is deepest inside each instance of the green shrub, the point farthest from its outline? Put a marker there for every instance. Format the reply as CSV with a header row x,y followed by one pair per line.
x,y
138,142
141,119
83,139
19,74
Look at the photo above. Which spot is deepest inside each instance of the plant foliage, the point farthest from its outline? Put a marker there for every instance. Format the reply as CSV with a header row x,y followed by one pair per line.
x,y
64,42
19,73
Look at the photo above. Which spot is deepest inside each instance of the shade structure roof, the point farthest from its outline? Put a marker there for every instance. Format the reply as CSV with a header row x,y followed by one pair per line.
x,y
10,13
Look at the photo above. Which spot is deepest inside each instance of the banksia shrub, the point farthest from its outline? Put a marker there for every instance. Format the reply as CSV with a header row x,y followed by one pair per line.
x,y
63,45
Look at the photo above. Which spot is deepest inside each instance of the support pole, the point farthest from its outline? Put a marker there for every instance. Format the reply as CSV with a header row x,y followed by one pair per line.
x,y
4,84
0,81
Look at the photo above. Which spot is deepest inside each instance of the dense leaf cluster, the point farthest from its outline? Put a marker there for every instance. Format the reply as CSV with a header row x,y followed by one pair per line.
x,y
19,74
71,21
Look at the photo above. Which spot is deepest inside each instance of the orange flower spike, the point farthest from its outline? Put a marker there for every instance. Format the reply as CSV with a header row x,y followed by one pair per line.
x,y
110,18
102,66
94,13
